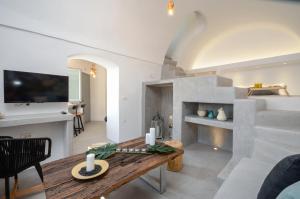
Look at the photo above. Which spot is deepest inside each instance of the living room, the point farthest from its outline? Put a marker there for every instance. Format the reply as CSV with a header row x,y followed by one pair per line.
x,y
213,83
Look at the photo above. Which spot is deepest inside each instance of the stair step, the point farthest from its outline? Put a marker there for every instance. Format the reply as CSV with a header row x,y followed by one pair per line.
x,y
287,120
283,137
270,152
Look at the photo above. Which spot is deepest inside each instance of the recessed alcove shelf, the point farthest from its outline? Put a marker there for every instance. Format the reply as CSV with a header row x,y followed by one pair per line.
x,y
182,97
209,122
159,99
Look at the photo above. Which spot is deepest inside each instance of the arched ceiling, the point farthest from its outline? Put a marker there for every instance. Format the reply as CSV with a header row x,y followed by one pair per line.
x,y
142,28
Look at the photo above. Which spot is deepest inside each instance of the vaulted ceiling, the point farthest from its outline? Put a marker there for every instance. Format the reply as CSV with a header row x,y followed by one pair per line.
x,y
142,28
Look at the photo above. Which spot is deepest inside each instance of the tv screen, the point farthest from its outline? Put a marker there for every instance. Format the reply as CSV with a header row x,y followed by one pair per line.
x,y
24,87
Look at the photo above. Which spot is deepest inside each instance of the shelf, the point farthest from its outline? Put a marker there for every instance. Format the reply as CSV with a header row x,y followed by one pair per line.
x,y
209,122
160,83
19,120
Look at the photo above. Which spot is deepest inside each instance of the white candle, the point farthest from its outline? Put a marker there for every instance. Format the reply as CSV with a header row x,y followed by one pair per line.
x,y
147,139
90,162
152,136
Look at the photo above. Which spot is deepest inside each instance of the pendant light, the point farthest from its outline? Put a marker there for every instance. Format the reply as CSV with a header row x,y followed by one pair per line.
x,y
93,71
171,8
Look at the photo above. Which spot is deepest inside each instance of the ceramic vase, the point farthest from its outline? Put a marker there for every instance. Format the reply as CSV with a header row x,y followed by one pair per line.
x,y
211,115
221,115
201,113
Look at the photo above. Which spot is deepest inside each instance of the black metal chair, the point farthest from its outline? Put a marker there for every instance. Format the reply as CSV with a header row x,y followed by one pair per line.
x,y
16,155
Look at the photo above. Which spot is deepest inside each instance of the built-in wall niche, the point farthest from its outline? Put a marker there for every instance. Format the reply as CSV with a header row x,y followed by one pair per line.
x,y
212,132
158,99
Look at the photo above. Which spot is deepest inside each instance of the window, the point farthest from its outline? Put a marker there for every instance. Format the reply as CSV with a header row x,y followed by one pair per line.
x,y
74,85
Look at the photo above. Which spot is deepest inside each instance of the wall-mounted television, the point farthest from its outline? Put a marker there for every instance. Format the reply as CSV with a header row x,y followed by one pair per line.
x,y
25,87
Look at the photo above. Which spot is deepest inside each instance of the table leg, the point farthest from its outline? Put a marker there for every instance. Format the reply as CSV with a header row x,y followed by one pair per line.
x,y
161,185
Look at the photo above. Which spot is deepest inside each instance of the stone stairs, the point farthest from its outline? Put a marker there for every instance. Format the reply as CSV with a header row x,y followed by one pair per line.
x,y
277,135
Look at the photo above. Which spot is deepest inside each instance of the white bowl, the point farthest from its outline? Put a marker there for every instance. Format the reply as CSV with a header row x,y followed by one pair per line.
x,y
201,113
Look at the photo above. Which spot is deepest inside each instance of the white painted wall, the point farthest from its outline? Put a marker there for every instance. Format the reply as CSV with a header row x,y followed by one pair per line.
x,y
288,74
55,131
27,51
98,95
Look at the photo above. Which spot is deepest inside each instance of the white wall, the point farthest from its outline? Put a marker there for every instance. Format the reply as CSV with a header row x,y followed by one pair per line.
x,y
27,51
98,95
288,74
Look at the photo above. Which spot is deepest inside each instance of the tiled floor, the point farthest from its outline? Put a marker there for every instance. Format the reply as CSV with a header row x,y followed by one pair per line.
x,y
197,180
94,132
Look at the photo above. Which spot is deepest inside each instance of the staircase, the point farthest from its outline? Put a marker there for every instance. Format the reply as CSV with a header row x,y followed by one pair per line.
x,y
277,135
170,69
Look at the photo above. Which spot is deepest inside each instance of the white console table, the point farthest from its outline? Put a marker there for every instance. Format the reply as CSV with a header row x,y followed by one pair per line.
x,y
21,123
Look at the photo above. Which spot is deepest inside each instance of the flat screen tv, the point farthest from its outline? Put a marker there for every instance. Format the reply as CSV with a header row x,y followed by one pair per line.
x,y
25,87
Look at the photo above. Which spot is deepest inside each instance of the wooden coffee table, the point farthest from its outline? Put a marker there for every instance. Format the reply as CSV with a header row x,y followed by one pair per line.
x,y
123,168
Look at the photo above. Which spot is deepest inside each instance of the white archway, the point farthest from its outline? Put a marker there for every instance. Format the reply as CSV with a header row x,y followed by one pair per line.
x,y
112,97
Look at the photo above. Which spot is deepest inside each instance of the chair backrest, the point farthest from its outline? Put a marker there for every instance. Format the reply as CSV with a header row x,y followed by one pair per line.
x,y
17,155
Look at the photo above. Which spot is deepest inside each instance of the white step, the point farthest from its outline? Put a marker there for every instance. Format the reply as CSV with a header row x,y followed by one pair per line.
x,y
287,120
283,137
271,153
276,102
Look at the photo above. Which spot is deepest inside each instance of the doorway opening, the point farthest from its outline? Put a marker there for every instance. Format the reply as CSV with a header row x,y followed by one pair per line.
x,y
94,84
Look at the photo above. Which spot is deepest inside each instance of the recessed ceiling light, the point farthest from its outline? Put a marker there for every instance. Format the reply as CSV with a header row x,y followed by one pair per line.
x,y
285,63
216,148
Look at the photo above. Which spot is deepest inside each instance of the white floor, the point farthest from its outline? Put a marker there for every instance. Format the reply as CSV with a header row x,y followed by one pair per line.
x,y
94,132
197,180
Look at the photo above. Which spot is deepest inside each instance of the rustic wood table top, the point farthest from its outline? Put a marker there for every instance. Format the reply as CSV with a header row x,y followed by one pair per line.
x,y
123,168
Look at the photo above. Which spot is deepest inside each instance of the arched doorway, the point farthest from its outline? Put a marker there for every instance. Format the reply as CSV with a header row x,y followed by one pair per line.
x,y
112,92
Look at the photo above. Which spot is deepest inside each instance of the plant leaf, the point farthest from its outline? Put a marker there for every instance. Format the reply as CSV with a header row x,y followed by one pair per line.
x,y
103,152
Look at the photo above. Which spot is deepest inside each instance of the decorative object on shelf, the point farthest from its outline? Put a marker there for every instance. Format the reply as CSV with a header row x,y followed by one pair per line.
x,y
272,89
106,151
80,171
258,85
2,116
158,123
152,136
210,114
221,114
201,113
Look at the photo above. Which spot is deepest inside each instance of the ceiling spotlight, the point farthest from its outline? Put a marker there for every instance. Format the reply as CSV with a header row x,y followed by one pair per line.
x,y
171,8
216,148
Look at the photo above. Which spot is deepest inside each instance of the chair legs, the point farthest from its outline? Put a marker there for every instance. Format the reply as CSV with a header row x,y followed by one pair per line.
x,y
7,191
39,170
74,127
80,127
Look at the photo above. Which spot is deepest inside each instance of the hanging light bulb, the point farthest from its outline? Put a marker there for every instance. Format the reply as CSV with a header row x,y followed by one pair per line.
x,y
171,6
93,71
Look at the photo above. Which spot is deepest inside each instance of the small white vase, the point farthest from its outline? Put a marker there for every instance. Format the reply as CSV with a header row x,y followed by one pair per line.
x,y
201,113
221,115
